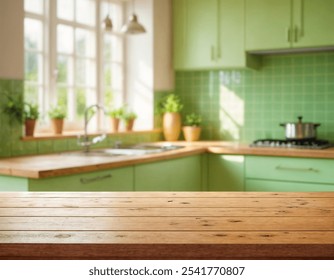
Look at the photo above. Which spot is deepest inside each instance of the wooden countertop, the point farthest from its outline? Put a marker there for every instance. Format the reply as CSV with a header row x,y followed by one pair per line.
x,y
42,166
166,225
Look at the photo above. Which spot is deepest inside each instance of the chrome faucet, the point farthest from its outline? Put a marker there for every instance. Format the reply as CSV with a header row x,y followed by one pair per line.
x,y
86,143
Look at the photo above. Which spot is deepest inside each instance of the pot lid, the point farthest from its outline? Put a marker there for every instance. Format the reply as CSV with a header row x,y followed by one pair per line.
x,y
300,121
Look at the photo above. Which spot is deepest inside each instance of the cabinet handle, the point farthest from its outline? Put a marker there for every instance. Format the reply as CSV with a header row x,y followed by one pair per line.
x,y
212,53
285,168
288,32
296,34
94,179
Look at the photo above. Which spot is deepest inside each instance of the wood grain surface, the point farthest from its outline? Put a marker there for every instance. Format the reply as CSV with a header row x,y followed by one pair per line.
x,y
166,225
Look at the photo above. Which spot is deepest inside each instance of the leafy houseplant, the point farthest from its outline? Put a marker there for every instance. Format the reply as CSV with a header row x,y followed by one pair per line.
x,y
129,118
30,116
191,128
171,104
193,120
115,116
171,107
57,115
14,109
22,112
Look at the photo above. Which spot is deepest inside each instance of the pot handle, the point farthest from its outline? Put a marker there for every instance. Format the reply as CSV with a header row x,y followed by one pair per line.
x,y
282,124
317,124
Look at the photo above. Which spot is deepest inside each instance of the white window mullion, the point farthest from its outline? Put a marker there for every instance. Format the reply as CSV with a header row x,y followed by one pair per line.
x,y
53,71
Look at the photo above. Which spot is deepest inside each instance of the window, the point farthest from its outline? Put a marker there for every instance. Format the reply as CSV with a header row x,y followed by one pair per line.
x,y
70,60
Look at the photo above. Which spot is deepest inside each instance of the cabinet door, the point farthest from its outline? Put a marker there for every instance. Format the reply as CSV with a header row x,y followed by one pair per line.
x,y
195,33
268,24
179,33
312,23
202,33
182,174
13,184
119,179
253,185
231,48
225,173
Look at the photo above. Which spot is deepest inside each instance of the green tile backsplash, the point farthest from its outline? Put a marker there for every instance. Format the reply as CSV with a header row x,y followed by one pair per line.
x,y
246,105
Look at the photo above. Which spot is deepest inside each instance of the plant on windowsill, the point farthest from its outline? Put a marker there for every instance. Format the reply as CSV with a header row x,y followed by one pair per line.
x,y
129,119
22,112
171,107
30,116
191,128
57,115
115,117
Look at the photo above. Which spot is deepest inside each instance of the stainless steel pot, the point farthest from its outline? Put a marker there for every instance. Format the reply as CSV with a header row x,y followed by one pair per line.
x,y
300,130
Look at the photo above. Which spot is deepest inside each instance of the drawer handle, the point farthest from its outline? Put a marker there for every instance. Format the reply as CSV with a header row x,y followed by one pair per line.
x,y
310,169
94,179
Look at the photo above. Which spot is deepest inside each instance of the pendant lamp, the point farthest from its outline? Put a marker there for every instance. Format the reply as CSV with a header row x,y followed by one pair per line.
x,y
107,23
133,26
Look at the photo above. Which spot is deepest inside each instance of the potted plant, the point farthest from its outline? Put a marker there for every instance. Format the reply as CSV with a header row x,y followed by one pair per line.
x,y
30,116
22,112
191,128
129,119
57,115
14,109
171,107
115,116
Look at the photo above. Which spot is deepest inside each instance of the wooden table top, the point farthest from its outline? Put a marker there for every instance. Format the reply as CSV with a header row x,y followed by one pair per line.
x,y
166,225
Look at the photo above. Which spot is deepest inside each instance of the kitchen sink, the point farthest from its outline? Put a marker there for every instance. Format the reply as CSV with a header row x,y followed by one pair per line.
x,y
135,150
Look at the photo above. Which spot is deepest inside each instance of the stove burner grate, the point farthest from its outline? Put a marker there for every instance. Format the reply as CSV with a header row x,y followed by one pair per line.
x,y
298,144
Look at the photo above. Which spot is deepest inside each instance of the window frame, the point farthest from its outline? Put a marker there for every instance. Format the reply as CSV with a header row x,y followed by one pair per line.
x,y
50,21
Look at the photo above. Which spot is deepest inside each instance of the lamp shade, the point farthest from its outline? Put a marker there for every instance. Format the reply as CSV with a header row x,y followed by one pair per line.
x,y
133,26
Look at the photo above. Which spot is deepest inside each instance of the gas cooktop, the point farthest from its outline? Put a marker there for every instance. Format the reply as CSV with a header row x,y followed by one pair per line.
x,y
299,144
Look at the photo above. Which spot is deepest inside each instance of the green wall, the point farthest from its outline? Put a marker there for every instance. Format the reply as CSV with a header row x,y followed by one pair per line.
x,y
11,132
246,105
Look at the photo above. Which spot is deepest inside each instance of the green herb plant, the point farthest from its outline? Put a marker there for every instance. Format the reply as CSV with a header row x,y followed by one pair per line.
x,y
171,104
19,110
116,113
30,111
193,119
57,112
128,116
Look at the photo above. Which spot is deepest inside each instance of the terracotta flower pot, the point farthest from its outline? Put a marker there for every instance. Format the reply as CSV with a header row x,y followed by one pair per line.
x,y
114,124
191,133
171,124
129,125
30,127
57,125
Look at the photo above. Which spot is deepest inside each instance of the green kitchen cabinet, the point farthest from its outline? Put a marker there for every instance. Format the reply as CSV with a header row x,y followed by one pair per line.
x,y
118,179
210,34
286,24
181,174
225,172
195,29
288,174
315,17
